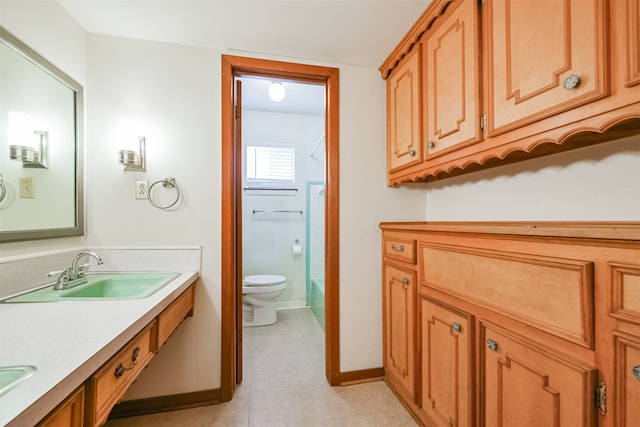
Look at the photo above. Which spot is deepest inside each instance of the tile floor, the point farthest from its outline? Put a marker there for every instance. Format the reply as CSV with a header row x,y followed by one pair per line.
x,y
284,385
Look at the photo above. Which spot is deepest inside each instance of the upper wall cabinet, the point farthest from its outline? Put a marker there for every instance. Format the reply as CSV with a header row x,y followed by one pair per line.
x,y
508,80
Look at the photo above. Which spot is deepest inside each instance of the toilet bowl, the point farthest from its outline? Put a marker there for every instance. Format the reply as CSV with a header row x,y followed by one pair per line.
x,y
258,295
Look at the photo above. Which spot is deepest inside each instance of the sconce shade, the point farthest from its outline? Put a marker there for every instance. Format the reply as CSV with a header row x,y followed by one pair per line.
x,y
21,153
128,157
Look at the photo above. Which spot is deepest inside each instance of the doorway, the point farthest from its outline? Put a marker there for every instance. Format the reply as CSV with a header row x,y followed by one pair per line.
x,y
234,68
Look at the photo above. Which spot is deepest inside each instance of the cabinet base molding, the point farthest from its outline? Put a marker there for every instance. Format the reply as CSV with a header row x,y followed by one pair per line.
x,y
152,405
361,376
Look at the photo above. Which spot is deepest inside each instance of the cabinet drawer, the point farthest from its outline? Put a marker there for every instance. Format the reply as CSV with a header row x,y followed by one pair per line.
x,y
400,249
553,294
108,385
173,315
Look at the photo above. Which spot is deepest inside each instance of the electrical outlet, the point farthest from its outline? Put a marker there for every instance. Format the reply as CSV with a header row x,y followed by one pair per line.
x,y
28,188
142,189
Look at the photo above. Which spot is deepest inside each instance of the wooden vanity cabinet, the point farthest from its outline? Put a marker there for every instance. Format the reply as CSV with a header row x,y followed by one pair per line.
x,y
526,325
70,413
506,81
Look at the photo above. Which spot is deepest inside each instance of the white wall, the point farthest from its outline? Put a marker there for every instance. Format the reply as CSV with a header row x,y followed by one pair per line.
x,y
597,183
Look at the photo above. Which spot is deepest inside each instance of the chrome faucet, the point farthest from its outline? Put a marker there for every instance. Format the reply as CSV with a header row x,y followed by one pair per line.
x,y
74,275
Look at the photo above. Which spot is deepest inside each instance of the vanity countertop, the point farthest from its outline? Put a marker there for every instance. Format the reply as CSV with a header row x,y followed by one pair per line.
x,y
67,342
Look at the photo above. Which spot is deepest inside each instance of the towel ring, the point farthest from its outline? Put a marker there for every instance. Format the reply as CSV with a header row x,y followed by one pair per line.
x,y
166,183
3,188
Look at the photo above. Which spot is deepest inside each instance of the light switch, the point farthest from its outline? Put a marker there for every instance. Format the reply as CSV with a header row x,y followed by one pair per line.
x,y
28,188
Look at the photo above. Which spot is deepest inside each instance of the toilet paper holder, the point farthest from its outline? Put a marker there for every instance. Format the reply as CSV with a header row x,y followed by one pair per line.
x,y
296,248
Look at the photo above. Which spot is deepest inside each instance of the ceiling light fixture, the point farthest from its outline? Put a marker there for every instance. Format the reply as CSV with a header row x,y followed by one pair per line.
x,y
276,91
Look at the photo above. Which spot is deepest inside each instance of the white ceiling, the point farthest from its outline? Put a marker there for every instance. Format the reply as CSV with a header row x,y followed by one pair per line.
x,y
352,32
358,32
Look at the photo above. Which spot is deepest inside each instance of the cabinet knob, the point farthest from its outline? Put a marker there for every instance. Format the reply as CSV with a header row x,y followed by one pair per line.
x,y
405,281
396,248
412,152
636,372
492,344
456,327
431,144
571,82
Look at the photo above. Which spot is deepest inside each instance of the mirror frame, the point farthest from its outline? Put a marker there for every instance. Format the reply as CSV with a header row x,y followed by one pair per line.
x,y
39,61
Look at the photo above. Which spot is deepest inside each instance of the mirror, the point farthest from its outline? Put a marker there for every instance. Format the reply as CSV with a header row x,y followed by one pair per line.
x,y
41,116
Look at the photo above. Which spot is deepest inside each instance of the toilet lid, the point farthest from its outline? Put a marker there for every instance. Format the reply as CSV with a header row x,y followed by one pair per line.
x,y
263,280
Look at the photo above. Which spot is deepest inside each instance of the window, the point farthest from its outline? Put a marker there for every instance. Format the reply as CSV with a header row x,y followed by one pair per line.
x,y
271,166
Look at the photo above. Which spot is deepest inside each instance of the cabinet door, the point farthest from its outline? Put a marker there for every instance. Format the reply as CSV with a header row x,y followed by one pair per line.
x,y
404,112
529,385
69,413
452,96
543,57
399,328
446,383
627,377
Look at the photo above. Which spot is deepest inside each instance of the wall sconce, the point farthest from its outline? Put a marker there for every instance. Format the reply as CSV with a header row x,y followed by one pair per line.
x,y
29,146
276,91
133,157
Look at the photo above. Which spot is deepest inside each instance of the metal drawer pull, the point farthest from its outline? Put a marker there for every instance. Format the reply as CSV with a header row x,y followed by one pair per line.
x,y
492,345
395,248
636,372
134,359
456,327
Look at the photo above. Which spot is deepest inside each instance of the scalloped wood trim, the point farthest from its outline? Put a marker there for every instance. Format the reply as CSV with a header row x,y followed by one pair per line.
x,y
606,127
426,22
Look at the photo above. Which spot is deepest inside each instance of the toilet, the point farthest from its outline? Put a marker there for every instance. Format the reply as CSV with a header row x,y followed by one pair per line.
x,y
258,295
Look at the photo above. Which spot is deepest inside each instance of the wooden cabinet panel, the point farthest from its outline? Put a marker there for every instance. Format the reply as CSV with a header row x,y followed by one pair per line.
x,y
552,294
399,329
534,49
69,413
173,315
529,385
452,95
404,112
627,377
447,369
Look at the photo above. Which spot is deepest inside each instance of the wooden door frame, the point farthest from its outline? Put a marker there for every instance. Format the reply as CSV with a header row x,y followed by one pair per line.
x,y
232,67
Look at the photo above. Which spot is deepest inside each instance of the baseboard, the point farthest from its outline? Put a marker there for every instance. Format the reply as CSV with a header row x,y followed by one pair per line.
x,y
152,405
361,376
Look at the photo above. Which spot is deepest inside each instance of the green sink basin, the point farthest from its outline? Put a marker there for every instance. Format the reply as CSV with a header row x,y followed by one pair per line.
x,y
12,376
103,286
